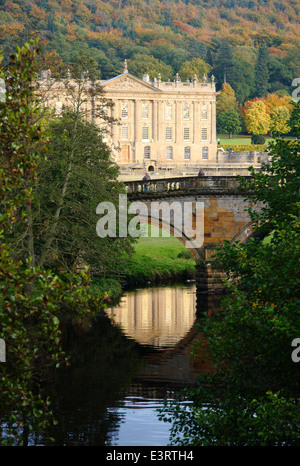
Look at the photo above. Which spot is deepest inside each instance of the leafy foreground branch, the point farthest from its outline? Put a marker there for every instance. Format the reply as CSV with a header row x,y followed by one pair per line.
x,y
33,301
251,395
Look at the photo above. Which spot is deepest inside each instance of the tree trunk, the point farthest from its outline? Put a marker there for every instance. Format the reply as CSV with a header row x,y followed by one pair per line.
x,y
51,235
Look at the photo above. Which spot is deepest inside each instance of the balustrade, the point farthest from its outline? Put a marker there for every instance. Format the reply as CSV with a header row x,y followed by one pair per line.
x,y
190,183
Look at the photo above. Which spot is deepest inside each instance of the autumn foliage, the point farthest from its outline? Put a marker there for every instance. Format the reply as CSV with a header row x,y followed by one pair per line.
x,y
167,39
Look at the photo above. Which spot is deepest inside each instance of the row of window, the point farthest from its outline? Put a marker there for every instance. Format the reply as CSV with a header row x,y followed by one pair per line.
x,y
169,153
186,133
168,133
168,111
145,111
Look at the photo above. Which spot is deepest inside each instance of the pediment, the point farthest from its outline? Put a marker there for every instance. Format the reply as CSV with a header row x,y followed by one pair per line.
x,y
128,82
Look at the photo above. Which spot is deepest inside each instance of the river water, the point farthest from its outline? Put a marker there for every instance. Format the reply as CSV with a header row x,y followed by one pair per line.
x,y
121,373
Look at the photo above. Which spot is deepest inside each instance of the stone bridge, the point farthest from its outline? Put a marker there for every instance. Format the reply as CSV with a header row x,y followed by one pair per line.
x,y
224,216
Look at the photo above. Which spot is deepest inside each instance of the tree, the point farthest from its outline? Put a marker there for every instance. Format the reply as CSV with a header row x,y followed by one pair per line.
x,y
280,75
257,120
169,54
243,82
292,61
251,397
229,122
141,64
50,61
78,145
196,66
33,301
274,100
280,117
247,105
77,149
225,70
76,176
262,72
226,99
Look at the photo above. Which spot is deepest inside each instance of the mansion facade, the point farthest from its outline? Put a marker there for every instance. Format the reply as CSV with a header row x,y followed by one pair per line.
x,y
163,124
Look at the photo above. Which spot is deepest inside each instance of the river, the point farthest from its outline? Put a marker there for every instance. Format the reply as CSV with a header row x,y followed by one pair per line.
x,y
121,373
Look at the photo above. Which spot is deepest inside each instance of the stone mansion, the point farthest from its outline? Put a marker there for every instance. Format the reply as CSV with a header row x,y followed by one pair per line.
x,y
163,124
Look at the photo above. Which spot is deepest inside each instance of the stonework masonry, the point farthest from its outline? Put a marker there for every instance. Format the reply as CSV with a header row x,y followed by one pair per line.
x,y
226,216
164,125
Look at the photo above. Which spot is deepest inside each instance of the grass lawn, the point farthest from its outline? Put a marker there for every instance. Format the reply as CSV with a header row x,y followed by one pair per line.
x,y
159,259
236,139
239,139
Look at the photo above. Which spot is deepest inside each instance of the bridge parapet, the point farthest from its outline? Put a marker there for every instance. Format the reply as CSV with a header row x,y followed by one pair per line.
x,y
225,216
188,184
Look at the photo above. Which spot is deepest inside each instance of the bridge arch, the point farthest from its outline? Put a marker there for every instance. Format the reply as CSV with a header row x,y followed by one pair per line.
x,y
245,233
179,235
226,214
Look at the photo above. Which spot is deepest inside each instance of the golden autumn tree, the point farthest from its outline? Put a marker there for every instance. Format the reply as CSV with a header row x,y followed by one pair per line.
x,y
280,117
226,99
257,120
273,100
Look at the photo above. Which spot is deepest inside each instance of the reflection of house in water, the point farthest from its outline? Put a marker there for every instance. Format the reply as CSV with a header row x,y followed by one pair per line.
x,y
158,317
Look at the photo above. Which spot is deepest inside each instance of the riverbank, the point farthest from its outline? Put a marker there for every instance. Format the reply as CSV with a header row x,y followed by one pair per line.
x,y
155,261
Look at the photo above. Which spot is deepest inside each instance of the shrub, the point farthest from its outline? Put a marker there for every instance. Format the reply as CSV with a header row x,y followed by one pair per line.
x,y
258,139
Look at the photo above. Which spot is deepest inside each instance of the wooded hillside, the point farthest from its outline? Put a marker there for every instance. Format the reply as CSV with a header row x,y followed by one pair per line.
x,y
165,36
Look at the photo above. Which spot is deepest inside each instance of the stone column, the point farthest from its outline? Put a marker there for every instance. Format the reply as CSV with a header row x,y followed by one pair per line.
x,y
114,112
194,106
158,119
209,280
178,116
208,304
196,122
154,121
213,122
137,120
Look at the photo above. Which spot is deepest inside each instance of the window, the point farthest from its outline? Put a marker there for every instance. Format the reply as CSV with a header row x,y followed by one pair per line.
x,y
204,153
104,133
145,133
204,134
168,133
204,112
186,133
186,112
169,153
187,153
145,111
147,152
168,114
58,108
124,132
124,110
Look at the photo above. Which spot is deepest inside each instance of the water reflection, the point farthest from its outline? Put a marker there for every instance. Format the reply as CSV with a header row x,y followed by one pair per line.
x,y
119,374
139,425
159,316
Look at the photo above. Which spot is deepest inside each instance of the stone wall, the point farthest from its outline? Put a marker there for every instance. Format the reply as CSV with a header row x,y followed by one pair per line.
x,y
242,157
228,164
